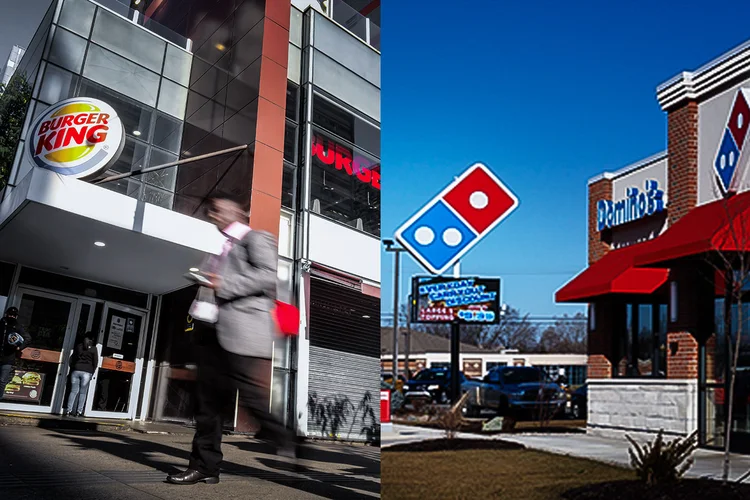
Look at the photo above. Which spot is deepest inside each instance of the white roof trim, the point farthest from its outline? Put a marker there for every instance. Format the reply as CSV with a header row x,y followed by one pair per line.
x,y
692,85
629,169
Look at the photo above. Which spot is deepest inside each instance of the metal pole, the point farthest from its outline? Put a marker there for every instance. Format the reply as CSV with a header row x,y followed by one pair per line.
x,y
455,353
455,350
170,164
407,344
396,277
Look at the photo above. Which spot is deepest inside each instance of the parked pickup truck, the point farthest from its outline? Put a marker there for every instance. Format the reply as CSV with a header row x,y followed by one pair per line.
x,y
514,390
431,385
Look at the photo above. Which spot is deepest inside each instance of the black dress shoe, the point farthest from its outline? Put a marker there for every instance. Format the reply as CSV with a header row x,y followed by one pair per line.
x,y
191,476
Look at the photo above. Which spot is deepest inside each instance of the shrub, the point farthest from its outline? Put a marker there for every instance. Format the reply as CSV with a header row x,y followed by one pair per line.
x,y
450,422
662,462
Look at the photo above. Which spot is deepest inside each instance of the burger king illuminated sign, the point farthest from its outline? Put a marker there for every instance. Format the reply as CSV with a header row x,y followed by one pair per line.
x,y
77,137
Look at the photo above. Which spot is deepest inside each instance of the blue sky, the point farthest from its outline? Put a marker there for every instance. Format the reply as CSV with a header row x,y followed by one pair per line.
x,y
548,94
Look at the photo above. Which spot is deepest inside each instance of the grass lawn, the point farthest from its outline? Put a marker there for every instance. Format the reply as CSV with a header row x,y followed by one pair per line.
x,y
478,474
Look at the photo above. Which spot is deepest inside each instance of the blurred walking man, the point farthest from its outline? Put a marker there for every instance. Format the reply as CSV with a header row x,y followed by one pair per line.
x,y
237,337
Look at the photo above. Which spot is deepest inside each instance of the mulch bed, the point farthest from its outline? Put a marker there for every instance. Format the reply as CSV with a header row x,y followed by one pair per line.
x,y
453,445
687,489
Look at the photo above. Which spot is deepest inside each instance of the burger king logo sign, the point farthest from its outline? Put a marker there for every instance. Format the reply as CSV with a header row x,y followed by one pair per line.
x,y
77,137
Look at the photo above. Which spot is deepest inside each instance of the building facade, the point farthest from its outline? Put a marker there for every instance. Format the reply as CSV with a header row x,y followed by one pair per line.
x,y
15,56
667,279
275,104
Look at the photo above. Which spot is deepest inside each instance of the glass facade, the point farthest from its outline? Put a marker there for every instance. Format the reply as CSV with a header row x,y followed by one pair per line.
x,y
142,80
222,98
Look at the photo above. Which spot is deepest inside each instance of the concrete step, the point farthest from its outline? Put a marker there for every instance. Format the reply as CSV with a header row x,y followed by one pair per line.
x,y
47,421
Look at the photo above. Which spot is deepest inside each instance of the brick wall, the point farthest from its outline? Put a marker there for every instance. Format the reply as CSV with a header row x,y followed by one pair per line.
x,y
683,363
599,190
599,366
682,140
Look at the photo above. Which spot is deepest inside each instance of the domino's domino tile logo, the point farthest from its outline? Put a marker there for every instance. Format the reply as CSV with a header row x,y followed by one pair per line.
x,y
457,219
77,137
730,148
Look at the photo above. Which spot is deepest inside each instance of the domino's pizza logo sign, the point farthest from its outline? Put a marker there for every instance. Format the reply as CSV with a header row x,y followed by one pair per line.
x,y
78,138
453,222
635,206
732,143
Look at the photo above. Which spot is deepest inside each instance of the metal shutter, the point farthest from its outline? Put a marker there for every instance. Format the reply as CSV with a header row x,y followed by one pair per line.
x,y
344,387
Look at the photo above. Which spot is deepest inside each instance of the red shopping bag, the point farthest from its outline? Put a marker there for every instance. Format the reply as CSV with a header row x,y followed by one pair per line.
x,y
286,317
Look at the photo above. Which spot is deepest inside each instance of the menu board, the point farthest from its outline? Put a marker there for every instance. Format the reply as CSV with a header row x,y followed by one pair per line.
x,y
116,332
25,386
467,300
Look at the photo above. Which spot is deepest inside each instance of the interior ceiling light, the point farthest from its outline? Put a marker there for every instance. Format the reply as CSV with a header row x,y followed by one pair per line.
x,y
136,133
100,243
221,47
194,269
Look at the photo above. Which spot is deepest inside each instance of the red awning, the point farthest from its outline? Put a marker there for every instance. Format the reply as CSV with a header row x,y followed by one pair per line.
x,y
723,225
614,273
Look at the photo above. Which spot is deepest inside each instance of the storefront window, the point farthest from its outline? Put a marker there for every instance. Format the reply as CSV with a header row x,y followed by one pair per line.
x,y
644,364
643,347
345,184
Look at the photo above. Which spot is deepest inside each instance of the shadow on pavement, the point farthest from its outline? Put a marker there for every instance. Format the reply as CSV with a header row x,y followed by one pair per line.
x,y
359,484
355,463
139,451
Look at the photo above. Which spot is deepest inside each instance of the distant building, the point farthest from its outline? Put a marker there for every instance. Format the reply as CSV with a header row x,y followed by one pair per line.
x,y
427,350
11,64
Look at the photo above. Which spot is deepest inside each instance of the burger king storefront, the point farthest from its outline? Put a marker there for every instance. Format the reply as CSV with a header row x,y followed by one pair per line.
x,y
667,281
102,212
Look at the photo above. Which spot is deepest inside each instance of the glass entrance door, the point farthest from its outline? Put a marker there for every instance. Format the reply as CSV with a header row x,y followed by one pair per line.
x,y
113,392
38,384
89,314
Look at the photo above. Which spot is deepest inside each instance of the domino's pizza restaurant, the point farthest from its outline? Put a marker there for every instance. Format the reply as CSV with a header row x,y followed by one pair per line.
x,y
667,238
86,246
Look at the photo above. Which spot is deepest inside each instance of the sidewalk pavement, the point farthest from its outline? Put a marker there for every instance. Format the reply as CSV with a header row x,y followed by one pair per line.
x,y
54,463
708,463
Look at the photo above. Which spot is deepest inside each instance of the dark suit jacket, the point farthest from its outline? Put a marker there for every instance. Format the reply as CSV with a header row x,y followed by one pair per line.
x,y
246,296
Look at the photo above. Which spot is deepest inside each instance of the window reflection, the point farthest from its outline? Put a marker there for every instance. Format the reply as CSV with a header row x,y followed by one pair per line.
x,y
643,349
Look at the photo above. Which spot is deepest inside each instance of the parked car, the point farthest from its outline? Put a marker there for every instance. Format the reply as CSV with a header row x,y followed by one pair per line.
x,y
579,403
517,391
432,384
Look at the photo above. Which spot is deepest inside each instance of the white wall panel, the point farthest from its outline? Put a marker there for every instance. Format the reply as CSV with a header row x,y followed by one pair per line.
x,y
346,85
344,249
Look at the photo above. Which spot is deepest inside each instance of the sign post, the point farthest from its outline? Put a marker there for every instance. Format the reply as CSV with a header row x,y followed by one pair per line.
x,y
456,349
